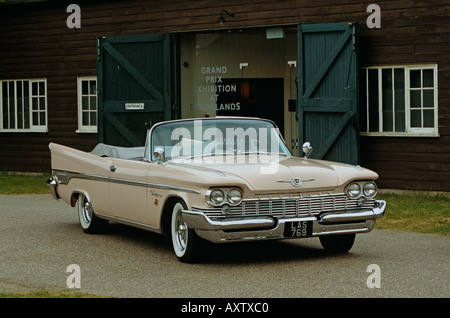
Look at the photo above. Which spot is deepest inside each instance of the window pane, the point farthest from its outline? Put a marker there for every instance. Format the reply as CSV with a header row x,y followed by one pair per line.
x,y
85,103
35,118
388,114
12,113
415,79
399,91
416,98
428,118
34,88
19,104
93,118
42,118
373,100
428,98
42,103
85,118
5,104
42,88
92,102
35,103
92,87
26,104
428,78
416,120
84,87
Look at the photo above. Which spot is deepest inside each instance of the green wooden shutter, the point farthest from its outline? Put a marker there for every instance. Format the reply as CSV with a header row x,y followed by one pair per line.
x,y
327,90
133,74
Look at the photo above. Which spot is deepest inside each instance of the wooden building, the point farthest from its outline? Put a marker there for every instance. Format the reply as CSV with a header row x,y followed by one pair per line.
x,y
107,70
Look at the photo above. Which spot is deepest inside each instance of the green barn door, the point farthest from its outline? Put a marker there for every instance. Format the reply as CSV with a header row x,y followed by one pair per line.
x,y
327,90
133,74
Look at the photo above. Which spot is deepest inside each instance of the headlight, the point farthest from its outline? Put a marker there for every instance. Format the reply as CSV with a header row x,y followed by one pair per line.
x,y
353,190
361,188
234,196
216,197
370,189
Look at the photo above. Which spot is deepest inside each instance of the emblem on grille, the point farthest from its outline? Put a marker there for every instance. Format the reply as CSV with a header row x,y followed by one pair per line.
x,y
296,182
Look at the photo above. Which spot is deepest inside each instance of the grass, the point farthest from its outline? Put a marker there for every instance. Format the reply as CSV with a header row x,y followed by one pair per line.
x,y
23,184
416,213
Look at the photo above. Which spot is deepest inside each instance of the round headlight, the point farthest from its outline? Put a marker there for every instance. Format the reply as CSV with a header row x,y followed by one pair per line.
x,y
353,190
235,196
370,189
216,196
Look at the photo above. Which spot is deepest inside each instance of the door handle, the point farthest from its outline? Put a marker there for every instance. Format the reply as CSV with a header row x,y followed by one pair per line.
x,y
112,168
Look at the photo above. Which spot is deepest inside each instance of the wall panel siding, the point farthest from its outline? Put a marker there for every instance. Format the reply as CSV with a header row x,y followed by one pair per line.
x,y
36,43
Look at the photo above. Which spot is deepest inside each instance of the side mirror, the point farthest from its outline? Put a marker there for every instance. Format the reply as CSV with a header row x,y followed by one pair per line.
x,y
307,149
159,154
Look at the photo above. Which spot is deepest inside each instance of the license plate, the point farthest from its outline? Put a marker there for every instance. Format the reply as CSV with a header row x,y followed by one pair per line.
x,y
298,229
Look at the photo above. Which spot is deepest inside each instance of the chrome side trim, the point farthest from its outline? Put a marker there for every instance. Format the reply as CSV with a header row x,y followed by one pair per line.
x,y
128,222
65,176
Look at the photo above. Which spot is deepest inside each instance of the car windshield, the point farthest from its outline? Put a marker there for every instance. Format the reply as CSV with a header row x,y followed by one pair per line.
x,y
216,136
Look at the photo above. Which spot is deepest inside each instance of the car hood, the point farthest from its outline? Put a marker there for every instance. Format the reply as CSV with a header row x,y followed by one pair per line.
x,y
279,174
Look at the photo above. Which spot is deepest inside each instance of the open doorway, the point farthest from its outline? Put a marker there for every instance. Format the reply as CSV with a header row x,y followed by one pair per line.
x,y
254,97
241,72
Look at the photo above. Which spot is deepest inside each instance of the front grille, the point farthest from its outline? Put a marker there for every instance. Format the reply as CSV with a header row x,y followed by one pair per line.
x,y
289,207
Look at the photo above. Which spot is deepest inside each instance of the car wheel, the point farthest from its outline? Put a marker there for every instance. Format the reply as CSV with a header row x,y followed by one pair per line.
x,y
184,240
89,222
337,243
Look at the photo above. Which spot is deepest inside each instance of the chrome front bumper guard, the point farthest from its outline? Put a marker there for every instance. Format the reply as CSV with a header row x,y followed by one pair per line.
x,y
268,228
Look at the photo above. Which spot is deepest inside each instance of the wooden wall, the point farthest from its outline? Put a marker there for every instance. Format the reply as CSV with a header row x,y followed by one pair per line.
x,y
36,43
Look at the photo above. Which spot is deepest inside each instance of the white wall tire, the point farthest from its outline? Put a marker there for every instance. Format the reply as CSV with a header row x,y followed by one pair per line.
x,y
184,240
89,222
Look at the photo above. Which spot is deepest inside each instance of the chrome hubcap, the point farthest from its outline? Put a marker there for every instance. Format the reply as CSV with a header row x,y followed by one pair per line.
x,y
87,211
181,229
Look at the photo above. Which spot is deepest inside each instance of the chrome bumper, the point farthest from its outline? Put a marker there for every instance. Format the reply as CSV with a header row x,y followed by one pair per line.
x,y
52,183
268,228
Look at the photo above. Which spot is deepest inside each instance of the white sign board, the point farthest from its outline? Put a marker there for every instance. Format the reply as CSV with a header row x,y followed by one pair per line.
x,y
134,106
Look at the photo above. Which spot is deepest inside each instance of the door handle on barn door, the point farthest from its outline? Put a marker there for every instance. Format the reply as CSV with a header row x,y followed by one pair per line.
x,y
112,168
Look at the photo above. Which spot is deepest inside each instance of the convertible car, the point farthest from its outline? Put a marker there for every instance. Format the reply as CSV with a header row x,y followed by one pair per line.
x,y
218,179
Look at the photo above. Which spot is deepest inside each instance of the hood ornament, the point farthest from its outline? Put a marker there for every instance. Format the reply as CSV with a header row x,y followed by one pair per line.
x,y
296,182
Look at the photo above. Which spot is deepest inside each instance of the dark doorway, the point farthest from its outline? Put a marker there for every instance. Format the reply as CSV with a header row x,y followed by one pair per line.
x,y
252,97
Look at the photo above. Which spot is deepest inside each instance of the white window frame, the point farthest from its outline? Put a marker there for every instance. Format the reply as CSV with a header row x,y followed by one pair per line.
x,y
85,128
32,127
409,131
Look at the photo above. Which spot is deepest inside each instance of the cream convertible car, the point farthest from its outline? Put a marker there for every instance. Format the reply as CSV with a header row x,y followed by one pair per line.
x,y
217,179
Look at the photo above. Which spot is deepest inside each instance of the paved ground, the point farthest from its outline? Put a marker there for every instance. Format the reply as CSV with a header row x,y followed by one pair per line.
x,y
40,238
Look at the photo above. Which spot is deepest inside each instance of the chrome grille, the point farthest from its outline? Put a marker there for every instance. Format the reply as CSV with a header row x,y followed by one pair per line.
x,y
288,207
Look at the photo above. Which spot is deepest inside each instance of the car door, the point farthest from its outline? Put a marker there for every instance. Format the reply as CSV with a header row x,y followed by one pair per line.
x,y
128,190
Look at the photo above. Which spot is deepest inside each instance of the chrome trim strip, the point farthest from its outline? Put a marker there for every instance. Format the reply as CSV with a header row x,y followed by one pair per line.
x,y
65,176
200,221
128,222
